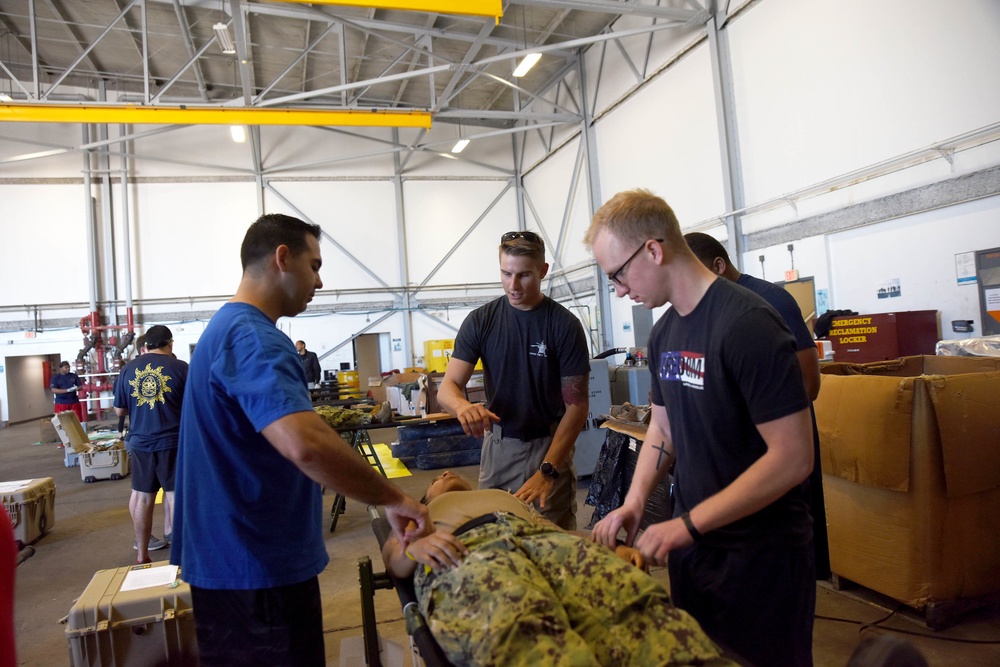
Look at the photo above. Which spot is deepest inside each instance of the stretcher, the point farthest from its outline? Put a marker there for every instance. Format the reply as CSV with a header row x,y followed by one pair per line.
x,y
421,640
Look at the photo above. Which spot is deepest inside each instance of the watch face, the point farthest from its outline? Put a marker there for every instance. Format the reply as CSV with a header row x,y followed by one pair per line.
x,y
548,470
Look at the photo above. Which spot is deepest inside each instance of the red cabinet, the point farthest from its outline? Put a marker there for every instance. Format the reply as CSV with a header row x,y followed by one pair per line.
x,y
881,336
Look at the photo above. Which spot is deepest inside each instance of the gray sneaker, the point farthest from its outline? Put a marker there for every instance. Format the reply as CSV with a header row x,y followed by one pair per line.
x,y
155,544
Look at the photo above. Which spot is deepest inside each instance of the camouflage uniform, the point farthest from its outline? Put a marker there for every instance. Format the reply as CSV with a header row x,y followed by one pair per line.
x,y
535,595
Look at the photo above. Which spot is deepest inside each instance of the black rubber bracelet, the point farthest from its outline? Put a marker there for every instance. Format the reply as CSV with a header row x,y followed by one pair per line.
x,y
686,518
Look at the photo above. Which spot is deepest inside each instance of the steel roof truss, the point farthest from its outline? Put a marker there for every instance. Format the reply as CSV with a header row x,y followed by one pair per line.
x,y
86,51
464,236
330,238
193,55
295,61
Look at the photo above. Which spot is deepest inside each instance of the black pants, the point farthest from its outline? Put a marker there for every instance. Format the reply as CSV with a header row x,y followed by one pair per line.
x,y
267,627
758,600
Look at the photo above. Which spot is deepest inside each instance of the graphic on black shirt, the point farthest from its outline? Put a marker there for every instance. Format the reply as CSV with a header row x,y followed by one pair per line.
x,y
687,368
540,349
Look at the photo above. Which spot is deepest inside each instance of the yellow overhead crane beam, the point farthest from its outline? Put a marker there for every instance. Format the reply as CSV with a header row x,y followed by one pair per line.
x,y
181,115
491,8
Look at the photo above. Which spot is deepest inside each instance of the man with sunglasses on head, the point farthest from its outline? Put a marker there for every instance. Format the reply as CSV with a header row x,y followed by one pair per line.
x,y
730,404
536,368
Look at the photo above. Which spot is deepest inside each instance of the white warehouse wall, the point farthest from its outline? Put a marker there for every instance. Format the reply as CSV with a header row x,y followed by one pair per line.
x,y
821,89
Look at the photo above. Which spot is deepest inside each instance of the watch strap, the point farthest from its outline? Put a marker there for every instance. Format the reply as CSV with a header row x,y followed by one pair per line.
x,y
686,518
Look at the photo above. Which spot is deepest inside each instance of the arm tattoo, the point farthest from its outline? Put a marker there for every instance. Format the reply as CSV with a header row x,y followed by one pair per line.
x,y
575,389
663,452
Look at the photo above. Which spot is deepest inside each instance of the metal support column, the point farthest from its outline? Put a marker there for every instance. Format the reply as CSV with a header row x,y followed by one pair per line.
x,y
729,145
404,269
91,222
522,220
106,257
605,336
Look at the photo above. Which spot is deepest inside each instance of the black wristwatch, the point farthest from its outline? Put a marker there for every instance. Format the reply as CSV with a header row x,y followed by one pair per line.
x,y
548,470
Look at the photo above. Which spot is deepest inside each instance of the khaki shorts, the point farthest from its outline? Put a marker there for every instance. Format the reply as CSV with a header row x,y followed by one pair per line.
x,y
507,463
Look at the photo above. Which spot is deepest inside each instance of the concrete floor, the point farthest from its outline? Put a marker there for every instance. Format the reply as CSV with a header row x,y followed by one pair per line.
x,y
93,531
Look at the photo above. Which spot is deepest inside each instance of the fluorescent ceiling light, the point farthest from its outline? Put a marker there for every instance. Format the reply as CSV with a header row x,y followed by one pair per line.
x,y
527,63
222,36
239,134
460,146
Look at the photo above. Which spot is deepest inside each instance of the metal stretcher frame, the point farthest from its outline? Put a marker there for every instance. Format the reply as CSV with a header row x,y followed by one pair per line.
x,y
416,625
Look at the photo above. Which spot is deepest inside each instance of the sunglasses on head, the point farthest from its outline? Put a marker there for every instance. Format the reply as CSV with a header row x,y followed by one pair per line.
x,y
530,237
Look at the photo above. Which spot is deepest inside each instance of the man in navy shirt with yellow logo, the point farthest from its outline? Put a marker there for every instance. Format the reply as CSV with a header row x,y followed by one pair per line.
x,y
64,386
150,390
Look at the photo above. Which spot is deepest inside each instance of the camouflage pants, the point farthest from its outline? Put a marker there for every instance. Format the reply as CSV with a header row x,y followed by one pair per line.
x,y
529,595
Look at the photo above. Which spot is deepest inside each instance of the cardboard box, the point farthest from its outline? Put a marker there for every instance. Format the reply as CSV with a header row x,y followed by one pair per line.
x,y
475,390
414,405
378,386
47,433
911,475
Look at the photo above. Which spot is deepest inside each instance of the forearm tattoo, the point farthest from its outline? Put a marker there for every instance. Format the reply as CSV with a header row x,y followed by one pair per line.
x,y
575,389
662,453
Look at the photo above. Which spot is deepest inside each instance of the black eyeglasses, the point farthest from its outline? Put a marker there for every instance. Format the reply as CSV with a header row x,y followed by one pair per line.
x,y
530,237
615,277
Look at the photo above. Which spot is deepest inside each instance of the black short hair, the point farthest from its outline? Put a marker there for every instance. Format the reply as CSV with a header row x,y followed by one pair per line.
x,y
158,336
707,248
272,230
64,363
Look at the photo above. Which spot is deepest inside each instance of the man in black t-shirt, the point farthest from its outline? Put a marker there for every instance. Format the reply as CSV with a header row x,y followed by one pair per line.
x,y
730,403
536,370
713,255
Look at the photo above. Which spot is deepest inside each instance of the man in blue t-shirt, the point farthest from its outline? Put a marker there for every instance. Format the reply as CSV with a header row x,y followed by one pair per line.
x,y
730,405
248,522
713,255
64,386
150,389
536,368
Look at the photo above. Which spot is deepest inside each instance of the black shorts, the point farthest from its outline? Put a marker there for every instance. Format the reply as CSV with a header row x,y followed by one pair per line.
x,y
269,627
152,471
758,600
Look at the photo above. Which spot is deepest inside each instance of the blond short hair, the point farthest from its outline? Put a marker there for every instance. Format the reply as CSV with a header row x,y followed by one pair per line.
x,y
636,216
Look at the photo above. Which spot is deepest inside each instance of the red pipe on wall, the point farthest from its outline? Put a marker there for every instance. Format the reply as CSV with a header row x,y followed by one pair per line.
x,y
90,324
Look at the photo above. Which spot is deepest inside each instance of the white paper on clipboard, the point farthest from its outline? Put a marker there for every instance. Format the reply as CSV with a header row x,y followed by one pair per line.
x,y
148,577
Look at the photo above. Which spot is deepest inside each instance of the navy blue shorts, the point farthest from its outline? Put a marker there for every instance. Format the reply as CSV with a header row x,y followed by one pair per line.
x,y
267,627
152,471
